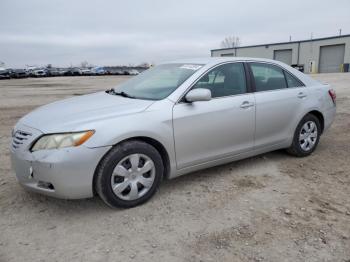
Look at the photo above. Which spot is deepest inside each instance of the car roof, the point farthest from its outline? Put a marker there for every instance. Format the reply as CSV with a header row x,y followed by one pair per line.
x,y
215,60
209,62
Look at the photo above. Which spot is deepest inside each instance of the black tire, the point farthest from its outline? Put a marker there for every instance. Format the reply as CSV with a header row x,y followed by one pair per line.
x,y
105,169
295,149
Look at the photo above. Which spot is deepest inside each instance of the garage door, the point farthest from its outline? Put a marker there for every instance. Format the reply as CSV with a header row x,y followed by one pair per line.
x,y
331,57
284,56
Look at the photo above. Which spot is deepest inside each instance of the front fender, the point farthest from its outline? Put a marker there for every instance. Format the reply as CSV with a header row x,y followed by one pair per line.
x,y
154,123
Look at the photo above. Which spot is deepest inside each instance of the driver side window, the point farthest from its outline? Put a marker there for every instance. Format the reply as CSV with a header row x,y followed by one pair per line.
x,y
225,80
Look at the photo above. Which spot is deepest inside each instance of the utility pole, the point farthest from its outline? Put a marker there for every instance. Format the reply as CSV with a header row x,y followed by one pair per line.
x,y
340,32
290,38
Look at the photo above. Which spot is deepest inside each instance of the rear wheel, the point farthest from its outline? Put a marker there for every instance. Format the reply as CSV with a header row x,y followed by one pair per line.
x,y
306,136
129,174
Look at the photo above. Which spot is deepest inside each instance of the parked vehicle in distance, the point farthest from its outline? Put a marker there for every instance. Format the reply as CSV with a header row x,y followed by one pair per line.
x,y
30,70
62,71
118,72
133,72
38,73
18,73
53,71
4,73
99,70
122,142
86,72
75,71
115,72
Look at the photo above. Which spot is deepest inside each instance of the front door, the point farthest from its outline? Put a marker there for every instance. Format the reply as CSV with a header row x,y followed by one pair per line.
x,y
222,127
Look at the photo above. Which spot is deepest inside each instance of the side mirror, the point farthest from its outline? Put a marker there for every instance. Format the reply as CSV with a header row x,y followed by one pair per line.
x,y
198,94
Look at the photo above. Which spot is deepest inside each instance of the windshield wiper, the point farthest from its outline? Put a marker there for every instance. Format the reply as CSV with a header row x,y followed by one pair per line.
x,y
122,93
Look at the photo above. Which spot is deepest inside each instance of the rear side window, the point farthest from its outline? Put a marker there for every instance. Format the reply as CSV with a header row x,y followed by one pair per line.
x,y
292,81
267,77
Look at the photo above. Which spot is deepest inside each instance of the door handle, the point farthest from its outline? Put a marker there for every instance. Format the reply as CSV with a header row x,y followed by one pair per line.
x,y
246,104
301,95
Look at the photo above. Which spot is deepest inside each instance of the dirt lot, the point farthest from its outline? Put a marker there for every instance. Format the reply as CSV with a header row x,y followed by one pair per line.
x,y
272,207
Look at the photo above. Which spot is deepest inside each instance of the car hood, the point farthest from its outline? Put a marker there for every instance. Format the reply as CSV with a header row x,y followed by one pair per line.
x,y
79,112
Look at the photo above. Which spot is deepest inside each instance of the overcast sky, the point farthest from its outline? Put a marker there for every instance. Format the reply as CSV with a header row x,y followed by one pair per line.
x,y
111,32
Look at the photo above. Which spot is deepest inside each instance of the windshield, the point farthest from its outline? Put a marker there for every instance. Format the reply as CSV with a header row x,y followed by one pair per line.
x,y
158,82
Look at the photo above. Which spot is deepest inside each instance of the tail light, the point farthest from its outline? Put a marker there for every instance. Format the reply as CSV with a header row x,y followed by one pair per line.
x,y
332,94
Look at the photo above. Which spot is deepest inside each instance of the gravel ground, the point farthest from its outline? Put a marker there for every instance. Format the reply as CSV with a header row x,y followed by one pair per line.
x,y
272,207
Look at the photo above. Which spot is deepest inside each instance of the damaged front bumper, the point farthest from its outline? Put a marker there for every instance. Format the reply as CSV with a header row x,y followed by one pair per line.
x,y
63,173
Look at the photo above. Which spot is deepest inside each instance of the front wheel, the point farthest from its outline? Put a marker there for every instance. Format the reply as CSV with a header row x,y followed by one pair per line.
x,y
306,136
129,174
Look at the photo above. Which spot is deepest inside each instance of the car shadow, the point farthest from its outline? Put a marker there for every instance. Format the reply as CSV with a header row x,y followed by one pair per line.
x,y
211,173
95,204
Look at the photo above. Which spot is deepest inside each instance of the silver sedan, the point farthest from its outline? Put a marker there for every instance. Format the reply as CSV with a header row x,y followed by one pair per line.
x,y
170,120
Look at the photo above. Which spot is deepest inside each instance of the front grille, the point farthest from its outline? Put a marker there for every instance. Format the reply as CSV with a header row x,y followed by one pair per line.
x,y
20,138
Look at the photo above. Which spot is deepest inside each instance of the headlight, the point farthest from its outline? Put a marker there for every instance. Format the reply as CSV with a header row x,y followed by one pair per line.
x,y
55,141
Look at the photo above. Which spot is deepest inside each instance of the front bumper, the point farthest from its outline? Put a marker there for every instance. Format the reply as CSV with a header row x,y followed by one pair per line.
x,y
63,173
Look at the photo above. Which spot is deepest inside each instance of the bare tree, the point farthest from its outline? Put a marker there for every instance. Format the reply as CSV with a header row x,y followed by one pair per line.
x,y
2,64
230,42
84,64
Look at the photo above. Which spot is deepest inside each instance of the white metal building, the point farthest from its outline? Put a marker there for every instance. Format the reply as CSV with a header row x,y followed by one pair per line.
x,y
322,55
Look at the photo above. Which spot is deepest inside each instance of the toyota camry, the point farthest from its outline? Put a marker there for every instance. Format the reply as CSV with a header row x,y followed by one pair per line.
x,y
172,119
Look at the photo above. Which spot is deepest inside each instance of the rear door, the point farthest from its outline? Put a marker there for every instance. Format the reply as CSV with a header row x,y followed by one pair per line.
x,y
279,98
